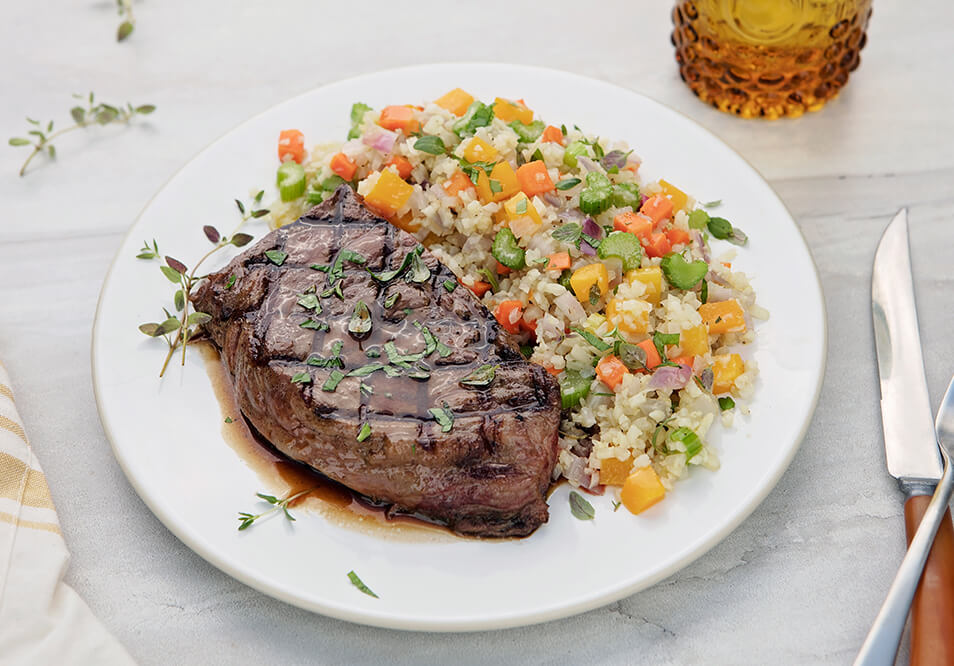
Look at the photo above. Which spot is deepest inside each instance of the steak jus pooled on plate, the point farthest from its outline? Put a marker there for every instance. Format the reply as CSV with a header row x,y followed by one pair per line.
x,y
353,350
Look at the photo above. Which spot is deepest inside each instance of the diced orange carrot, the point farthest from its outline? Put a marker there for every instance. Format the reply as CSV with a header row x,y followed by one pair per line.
x,y
727,264
632,167
399,118
611,371
552,371
534,179
479,288
657,208
652,354
559,261
503,313
502,270
402,164
456,101
684,360
552,134
633,223
677,236
657,245
342,165
458,183
291,146
613,471
723,316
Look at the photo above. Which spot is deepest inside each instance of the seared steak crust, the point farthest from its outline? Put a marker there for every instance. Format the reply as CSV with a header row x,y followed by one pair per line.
x,y
487,475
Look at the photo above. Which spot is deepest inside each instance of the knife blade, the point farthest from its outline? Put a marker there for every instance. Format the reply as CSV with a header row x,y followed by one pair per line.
x,y
910,442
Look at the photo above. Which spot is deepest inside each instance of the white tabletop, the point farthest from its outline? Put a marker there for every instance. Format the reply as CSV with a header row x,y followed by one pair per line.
x,y
798,582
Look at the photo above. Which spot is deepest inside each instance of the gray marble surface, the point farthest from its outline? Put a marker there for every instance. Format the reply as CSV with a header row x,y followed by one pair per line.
x,y
798,582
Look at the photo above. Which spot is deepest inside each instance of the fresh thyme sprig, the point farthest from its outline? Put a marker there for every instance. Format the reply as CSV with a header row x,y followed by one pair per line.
x,y
247,519
128,20
91,114
179,329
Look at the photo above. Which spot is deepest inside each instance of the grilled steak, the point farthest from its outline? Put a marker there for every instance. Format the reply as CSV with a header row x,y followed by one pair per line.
x,y
406,412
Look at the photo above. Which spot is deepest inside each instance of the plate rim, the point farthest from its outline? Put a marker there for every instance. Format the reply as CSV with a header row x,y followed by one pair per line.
x,y
371,617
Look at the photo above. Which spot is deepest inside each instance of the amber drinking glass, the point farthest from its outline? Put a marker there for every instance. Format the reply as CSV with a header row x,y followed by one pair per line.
x,y
768,58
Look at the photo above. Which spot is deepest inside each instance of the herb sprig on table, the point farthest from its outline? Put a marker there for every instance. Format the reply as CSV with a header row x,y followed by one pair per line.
x,y
124,7
246,520
42,135
181,328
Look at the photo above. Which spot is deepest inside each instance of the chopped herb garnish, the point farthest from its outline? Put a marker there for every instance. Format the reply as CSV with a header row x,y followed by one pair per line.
x,y
330,362
450,285
301,378
580,508
704,292
333,380
392,299
397,358
570,233
418,271
595,295
360,324
309,300
567,183
481,377
372,352
478,115
365,431
353,577
314,325
616,505
228,419
444,417
592,339
537,156
722,229
366,370
726,403
432,145
495,186
367,390
387,276
490,277
246,519
521,208
230,281
712,204
632,356
660,340
277,257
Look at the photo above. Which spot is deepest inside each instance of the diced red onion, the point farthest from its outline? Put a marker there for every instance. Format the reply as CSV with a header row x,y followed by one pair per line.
x,y
591,228
576,471
642,199
587,249
712,276
700,245
588,164
669,377
382,140
719,293
552,199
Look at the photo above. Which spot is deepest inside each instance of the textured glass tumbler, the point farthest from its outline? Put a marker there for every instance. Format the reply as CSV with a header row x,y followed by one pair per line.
x,y
768,58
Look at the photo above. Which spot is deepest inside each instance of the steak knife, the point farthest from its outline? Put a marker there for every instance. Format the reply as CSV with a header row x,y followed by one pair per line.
x,y
910,441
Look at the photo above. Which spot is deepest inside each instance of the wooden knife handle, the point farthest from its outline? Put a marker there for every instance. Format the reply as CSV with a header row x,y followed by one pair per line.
x,y
932,613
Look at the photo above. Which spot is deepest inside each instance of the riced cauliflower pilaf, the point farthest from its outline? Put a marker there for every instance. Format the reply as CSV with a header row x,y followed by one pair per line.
x,y
609,281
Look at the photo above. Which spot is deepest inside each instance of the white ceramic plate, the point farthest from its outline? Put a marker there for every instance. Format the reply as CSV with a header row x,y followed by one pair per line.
x,y
167,434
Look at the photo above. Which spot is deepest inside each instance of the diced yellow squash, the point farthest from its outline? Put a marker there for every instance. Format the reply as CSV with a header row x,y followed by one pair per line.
x,y
641,490
456,101
614,472
630,316
694,341
522,216
389,194
484,192
478,150
725,370
677,196
723,317
509,111
652,278
584,278
504,174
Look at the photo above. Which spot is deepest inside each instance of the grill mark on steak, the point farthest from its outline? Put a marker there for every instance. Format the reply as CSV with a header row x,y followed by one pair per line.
x,y
487,476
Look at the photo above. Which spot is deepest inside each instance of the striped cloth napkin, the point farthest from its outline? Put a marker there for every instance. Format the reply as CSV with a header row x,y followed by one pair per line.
x,y
42,619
